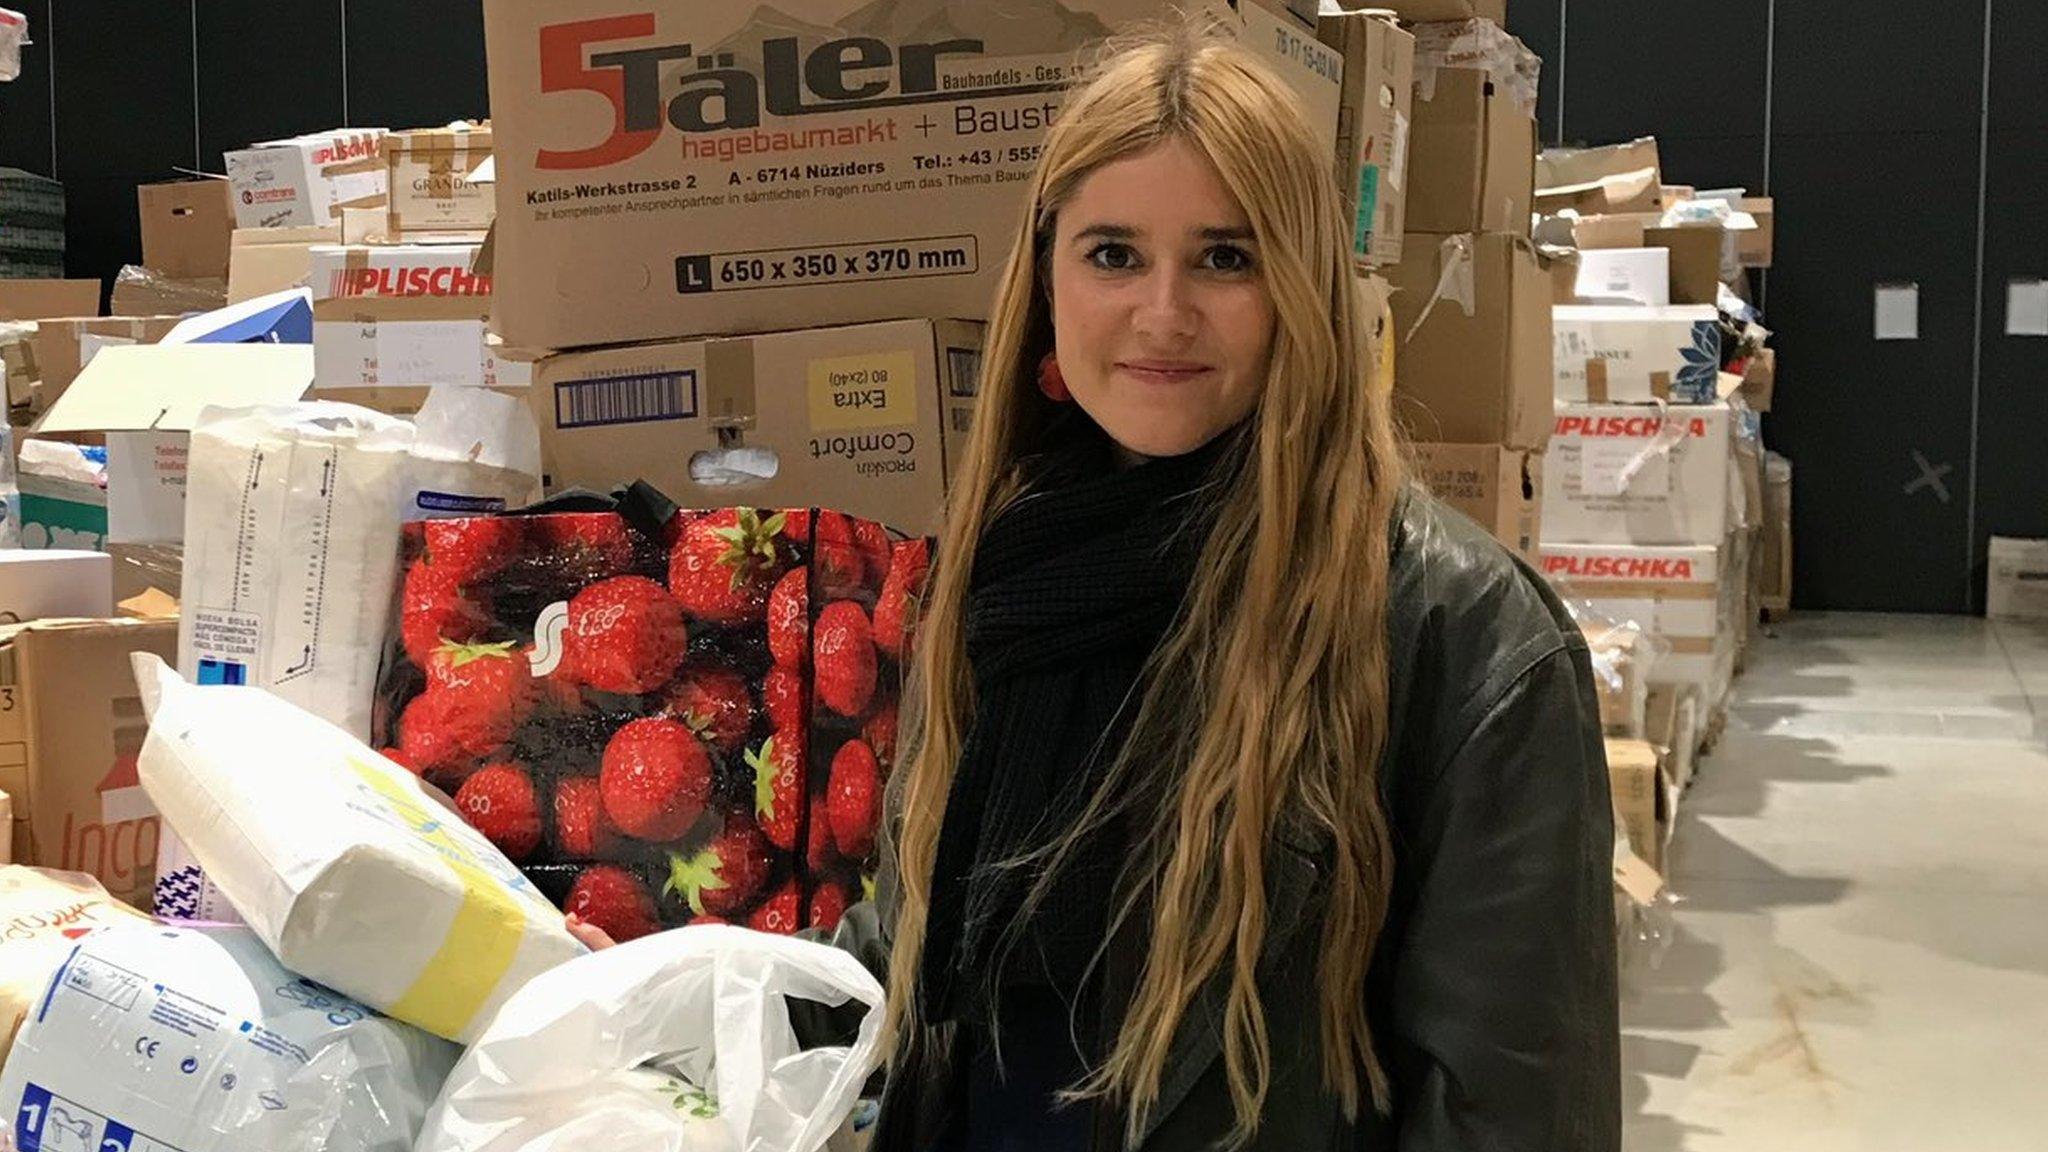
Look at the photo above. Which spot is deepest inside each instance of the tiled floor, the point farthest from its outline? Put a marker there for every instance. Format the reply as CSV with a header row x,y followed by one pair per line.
x,y
1861,957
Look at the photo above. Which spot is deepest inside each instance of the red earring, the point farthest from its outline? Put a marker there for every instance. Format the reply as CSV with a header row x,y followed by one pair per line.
x,y
1051,382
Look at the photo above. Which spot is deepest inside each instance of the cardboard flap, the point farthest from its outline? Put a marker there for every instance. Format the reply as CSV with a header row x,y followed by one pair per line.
x,y
48,299
1560,167
162,387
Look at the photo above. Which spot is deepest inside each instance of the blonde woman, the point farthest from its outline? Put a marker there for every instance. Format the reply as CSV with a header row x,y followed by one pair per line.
x,y
1254,799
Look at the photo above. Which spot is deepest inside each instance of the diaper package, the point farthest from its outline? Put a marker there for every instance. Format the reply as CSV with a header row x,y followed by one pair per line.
x,y
196,1040
340,860
42,915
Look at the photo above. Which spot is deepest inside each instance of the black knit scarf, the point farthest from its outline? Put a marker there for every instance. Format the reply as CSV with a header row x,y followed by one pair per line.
x,y
1074,586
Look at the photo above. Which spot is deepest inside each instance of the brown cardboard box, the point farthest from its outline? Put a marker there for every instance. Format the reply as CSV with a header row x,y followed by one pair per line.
x,y
1559,167
63,347
43,299
432,197
1627,192
1613,229
1695,262
869,419
1632,771
1471,160
867,162
1482,376
70,727
1672,722
1620,655
145,292
1499,488
1372,131
266,260
1776,593
1753,247
1433,11
185,228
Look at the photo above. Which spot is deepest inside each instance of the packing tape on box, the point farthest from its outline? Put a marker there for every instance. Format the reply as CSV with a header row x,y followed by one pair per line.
x,y
1647,590
1454,280
1660,386
1596,380
729,383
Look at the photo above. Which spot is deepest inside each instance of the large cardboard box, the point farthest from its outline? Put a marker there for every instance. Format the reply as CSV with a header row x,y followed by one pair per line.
x,y
266,260
64,347
44,299
2017,585
1619,352
1635,777
1685,597
403,315
1754,247
1634,474
689,169
1564,167
433,197
1372,130
1475,360
869,419
306,181
1499,488
1471,155
186,226
69,735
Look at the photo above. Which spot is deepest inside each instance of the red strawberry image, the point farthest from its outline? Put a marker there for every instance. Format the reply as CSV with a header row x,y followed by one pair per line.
x,y
843,655
727,875
778,786
796,526
491,677
655,778
584,547
469,549
835,556
872,540
498,801
615,901
716,705
902,591
828,904
818,849
397,756
724,564
447,732
880,733
625,635
782,691
778,913
707,918
582,829
853,798
789,619
434,610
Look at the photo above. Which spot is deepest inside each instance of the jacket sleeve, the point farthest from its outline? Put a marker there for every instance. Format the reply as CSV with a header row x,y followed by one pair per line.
x,y
1504,1003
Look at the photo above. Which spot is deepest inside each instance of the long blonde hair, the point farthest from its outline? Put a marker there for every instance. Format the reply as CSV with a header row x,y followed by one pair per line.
x,y
1282,640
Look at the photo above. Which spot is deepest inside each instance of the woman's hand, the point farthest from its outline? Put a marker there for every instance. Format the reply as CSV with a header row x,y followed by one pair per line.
x,y
587,934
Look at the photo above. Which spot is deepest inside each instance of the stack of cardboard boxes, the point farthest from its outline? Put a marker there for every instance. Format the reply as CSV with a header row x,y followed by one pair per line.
x,y
1471,298
774,296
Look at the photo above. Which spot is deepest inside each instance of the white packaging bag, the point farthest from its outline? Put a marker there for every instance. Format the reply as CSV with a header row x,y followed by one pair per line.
x,y
476,453
340,860
590,1054
43,914
175,1040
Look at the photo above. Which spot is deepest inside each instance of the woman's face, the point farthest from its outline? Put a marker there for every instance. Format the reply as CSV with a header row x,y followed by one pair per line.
x,y
1160,311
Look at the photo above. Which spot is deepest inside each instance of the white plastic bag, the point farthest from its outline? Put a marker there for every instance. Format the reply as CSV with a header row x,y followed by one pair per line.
x,y
581,1057
340,860
196,1040
476,453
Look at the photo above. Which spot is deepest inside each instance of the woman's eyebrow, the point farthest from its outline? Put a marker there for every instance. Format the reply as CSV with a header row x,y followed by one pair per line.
x,y
1230,232
1107,232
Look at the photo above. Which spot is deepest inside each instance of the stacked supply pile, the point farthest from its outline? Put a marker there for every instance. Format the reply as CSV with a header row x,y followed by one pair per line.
x,y
1471,302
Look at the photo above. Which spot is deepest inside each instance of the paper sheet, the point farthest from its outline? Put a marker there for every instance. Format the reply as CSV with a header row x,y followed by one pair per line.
x,y
415,352
146,487
1898,311
2026,306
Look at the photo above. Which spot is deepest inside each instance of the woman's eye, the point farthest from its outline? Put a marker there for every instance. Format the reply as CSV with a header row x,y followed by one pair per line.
x,y
1226,258
1113,257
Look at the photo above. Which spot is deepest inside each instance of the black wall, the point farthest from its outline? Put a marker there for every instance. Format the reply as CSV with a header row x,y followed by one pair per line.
x,y
1870,121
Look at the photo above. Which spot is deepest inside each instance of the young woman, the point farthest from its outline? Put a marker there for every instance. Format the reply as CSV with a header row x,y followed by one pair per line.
x,y
1253,799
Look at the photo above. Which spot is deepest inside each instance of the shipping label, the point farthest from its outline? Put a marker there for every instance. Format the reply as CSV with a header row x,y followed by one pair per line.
x,y
873,390
851,263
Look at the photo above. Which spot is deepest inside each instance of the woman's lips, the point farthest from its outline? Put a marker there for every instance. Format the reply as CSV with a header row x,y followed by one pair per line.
x,y
1163,371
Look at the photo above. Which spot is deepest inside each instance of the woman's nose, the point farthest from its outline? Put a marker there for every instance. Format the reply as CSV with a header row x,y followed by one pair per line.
x,y
1168,307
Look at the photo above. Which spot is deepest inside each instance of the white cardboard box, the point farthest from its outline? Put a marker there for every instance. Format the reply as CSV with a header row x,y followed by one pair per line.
x,y
1614,352
36,584
2017,588
306,181
1633,275
403,315
1636,474
1675,594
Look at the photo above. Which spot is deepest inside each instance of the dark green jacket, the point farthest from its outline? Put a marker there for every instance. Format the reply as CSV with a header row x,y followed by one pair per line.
x,y
1492,991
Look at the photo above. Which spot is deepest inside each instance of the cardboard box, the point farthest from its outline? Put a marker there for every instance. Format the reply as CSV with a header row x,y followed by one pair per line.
x,y
186,225
1755,247
1499,488
403,315
1775,593
1638,276
1478,374
68,741
64,347
1676,713
1695,261
1471,157
1372,131
1560,167
2017,585
869,419
1610,352
266,260
43,299
1633,474
307,180
144,292
1634,773
860,165
1626,192
35,585
1683,596
1622,655
432,195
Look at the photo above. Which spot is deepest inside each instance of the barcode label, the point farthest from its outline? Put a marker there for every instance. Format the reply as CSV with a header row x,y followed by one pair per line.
x,y
626,399
963,371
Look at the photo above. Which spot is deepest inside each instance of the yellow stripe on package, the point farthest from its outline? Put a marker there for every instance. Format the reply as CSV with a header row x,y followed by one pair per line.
x,y
340,860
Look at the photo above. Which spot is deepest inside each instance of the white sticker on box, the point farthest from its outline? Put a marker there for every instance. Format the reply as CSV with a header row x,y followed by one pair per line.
x,y
146,487
225,644
415,352
2026,306
1624,467
1397,169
